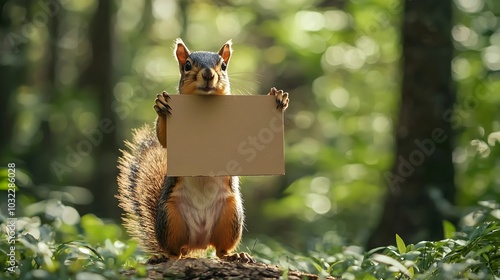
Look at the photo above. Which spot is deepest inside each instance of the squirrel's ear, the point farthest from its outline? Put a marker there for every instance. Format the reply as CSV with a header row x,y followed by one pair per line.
x,y
181,51
226,51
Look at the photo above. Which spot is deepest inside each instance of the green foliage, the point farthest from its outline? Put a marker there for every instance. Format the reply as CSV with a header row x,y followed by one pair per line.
x,y
472,254
53,251
448,229
401,244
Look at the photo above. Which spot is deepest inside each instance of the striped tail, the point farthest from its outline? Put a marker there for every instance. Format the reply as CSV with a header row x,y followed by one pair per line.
x,y
142,172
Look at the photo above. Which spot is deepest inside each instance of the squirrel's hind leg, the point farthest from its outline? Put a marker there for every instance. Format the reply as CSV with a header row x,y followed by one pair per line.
x,y
237,257
156,259
227,233
164,257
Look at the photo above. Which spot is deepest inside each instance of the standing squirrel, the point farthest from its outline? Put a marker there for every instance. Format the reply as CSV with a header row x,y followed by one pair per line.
x,y
172,217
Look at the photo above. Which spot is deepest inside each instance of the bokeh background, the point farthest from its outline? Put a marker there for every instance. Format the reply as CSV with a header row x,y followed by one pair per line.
x,y
76,76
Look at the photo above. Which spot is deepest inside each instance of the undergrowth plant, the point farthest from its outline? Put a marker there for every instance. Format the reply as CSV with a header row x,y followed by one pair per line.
x,y
54,250
48,248
473,252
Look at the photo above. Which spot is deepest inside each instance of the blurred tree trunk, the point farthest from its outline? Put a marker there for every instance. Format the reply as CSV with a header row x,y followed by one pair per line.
x,y
42,151
13,65
98,78
421,182
13,69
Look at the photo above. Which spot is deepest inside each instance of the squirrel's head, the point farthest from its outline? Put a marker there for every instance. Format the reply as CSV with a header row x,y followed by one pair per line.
x,y
203,72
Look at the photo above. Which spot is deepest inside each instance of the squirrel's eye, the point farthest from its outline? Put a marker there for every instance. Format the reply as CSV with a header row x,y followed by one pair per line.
x,y
223,66
187,66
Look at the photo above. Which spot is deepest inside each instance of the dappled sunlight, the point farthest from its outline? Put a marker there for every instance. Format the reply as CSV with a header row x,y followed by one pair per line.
x,y
465,36
491,57
339,97
470,6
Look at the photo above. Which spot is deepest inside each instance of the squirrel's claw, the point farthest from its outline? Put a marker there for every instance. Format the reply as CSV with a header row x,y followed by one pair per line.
x,y
239,257
161,104
281,98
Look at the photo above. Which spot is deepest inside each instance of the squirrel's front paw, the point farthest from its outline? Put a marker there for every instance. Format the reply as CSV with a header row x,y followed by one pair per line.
x,y
161,104
239,257
281,98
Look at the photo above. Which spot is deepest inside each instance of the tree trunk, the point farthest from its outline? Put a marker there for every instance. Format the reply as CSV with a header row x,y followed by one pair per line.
x,y
10,76
98,78
421,181
13,66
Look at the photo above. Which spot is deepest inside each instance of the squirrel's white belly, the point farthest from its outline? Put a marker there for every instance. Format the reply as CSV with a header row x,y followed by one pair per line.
x,y
200,201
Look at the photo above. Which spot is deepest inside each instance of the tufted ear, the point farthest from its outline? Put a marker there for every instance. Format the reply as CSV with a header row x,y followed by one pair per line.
x,y
181,52
226,51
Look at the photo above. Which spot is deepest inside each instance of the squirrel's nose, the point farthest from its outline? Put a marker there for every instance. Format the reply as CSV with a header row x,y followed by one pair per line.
x,y
207,74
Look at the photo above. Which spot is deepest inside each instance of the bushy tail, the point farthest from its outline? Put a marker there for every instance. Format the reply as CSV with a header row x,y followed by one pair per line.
x,y
142,171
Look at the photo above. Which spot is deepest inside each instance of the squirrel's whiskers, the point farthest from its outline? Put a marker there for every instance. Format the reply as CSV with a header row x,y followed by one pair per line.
x,y
242,83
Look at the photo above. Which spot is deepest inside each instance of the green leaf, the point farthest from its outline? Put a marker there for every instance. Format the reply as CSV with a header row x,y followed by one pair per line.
x,y
401,244
392,262
448,229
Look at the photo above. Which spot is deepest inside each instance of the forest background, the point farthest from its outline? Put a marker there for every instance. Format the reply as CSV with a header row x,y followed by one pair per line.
x,y
361,143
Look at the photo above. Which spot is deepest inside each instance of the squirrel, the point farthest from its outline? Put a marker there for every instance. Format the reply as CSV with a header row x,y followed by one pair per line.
x,y
174,217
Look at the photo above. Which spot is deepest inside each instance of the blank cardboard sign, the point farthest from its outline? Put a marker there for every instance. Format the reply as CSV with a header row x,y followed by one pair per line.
x,y
213,135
